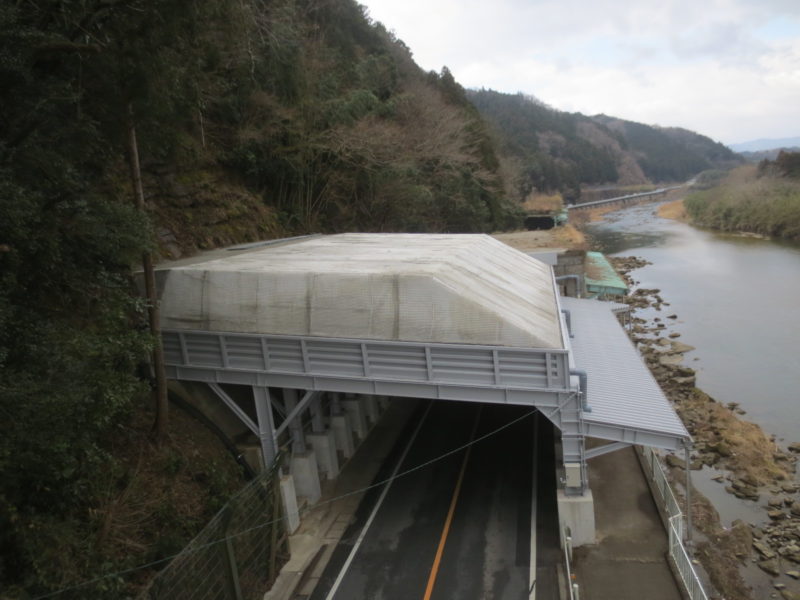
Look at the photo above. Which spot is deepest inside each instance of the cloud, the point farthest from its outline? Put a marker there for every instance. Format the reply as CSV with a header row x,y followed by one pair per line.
x,y
727,68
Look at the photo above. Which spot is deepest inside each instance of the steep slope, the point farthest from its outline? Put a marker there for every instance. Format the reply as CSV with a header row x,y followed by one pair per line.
x,y
671,153
254,120
552,150
545,146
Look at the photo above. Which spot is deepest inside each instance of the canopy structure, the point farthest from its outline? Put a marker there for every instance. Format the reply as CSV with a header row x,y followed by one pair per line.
x,y
457,289
448,317
625,400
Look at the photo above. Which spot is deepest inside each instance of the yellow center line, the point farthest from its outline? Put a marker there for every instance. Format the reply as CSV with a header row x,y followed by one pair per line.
x,y
446,530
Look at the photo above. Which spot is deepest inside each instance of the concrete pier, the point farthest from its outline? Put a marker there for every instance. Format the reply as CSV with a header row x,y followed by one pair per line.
x,y
324,445
354,407
343,434
577,513
306,475
289,498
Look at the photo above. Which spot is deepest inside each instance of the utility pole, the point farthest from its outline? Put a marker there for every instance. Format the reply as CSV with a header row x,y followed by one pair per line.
x,y
160,425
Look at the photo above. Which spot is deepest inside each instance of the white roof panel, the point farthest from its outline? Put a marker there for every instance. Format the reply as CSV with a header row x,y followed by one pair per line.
x,y
463,289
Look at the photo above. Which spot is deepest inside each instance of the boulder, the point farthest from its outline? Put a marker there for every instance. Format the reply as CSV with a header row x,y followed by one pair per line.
x,y
670,359
680,347
763,550
675,462
770,566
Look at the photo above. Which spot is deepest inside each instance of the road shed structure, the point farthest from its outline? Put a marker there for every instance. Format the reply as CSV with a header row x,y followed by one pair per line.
x,y
446,317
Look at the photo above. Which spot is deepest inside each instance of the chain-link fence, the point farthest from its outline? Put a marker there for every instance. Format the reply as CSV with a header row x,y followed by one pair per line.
x,y
238,554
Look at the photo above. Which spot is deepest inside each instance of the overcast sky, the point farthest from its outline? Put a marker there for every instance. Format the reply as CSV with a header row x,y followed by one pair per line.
x,y
729,69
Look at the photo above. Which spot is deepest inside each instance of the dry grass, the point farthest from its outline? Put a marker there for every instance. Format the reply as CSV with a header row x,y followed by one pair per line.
x,y
673,210
567,237
752,450
543,202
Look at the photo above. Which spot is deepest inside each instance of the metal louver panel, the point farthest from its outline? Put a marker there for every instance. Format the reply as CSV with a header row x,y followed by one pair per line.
x,y
244,352
335,358
204,350
285,355
459,365
398,362
479,366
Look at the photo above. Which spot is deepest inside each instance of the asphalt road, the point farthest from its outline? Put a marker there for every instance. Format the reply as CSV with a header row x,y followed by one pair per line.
x,y
459,526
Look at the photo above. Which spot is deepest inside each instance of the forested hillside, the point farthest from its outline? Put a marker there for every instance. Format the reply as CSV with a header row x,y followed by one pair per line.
x,y
546,146
762,199
670,153
554,150
253,120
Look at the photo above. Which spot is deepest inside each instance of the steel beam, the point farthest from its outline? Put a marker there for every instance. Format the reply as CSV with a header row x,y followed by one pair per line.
x,y
295,409
600,450
231,403
266,425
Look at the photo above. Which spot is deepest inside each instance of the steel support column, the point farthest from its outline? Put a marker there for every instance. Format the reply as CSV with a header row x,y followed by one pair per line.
x,y
266,425
568,418
336,403
317,418
296,423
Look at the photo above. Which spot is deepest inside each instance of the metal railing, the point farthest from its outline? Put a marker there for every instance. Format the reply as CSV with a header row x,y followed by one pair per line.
x,y
674,525
665,494
566,544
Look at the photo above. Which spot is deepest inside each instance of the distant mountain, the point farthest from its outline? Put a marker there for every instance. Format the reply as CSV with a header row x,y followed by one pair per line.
x,y
670,153
554,150
768,154
765,144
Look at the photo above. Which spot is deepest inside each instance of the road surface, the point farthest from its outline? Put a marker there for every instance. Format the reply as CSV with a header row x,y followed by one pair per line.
x,y
461,526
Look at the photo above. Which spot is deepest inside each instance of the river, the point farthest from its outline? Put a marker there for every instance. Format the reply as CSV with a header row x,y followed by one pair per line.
x,y
737,300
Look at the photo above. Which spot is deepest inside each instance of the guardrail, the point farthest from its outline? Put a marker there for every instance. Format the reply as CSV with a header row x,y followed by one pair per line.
x,y
674,524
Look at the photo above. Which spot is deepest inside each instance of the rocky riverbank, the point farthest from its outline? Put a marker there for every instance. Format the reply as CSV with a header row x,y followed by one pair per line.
x,y
754,467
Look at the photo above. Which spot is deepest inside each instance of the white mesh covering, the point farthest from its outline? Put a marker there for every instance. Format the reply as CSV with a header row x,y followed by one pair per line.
x,y
462,289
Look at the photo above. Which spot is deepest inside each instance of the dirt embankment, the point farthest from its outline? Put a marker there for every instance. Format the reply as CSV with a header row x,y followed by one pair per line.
x,y
754,463
568,237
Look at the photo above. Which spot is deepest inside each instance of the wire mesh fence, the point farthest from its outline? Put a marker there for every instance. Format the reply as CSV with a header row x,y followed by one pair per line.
x,y
238,554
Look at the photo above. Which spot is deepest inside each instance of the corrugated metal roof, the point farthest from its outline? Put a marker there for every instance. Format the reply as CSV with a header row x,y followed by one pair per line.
x,y
622,391
600,273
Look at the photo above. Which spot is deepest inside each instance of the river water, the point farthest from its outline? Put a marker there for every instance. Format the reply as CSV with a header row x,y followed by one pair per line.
x,y
737,300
